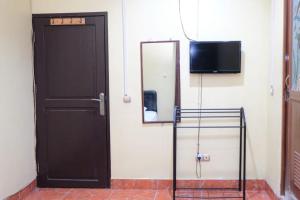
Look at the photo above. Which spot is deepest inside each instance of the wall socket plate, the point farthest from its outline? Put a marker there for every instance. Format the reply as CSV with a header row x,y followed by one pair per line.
x,y
203,157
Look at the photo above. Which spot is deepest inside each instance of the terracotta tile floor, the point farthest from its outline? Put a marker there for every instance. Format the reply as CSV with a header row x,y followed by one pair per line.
x,y
113,194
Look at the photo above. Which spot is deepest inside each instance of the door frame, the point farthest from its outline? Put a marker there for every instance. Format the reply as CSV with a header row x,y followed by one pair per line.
x,y
88,14
285,111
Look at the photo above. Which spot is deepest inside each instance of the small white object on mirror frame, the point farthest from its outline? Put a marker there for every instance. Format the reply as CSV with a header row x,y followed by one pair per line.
x,y
126,99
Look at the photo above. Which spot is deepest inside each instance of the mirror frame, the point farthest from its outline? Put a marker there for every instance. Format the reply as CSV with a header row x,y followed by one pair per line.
x,y
177,78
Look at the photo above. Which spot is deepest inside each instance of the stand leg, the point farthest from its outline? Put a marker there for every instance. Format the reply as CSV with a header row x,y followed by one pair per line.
x,y
245,154
241,144
174,159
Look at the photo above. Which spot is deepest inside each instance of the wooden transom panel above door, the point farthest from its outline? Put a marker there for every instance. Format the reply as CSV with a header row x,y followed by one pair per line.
x,y
71,74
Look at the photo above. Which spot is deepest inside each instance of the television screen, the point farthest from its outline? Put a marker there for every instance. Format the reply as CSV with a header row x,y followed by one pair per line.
x,y
215,57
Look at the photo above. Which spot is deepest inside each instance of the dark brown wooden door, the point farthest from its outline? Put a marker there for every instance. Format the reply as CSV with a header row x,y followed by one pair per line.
x,y
72,122
292,86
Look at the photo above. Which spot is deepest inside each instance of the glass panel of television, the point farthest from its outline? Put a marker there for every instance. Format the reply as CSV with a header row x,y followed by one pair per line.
x,y
215,57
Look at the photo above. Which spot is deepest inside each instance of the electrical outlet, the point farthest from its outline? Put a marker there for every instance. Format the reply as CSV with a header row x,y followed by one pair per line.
x,y
202,157
206,157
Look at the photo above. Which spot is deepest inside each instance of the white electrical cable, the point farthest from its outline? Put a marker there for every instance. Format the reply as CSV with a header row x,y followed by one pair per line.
x,y
125,64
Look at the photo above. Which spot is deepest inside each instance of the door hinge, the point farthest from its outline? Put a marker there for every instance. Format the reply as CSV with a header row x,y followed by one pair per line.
x,y
38,168
33,38
286,58
287,87
287,94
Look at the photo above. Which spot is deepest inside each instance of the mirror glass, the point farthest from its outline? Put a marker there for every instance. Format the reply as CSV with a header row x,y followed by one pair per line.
x,y
160,80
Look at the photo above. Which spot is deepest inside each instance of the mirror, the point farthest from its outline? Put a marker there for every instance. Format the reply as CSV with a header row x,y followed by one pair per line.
x,y
160,80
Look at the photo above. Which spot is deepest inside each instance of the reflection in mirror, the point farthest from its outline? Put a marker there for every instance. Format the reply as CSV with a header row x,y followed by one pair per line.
x,y
160,80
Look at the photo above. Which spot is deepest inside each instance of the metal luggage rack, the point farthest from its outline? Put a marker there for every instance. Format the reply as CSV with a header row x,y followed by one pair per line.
x,y
181,114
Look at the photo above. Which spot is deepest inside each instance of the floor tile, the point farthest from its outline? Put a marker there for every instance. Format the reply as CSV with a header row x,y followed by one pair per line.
x,y
163,195
48,194
133,194
137,194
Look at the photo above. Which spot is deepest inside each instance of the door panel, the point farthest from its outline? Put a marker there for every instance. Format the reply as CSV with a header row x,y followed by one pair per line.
x,y
71,71
71,156
68,48
294,117
292,106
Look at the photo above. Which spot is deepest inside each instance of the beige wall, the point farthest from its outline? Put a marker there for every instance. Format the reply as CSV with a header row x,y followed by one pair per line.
x,y
274,144
159,67
145,151
17,143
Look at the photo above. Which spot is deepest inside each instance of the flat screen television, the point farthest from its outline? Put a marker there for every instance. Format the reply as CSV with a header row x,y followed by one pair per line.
x,y
215,57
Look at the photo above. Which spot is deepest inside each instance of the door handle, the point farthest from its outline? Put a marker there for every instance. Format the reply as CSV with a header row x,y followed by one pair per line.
x,y
101,101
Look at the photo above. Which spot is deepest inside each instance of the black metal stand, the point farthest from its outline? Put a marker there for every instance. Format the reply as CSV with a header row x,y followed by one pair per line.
x,y
181,114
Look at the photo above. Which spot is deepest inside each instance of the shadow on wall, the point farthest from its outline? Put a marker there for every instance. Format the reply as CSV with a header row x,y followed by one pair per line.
x,y
221,80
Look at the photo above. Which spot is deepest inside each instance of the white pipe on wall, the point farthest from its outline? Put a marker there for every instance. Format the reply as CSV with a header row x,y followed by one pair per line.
x,y
126,97
272,48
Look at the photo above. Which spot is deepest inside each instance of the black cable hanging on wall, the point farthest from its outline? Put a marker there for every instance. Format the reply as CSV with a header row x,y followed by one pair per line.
x,y
198,168
181,22
200,101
